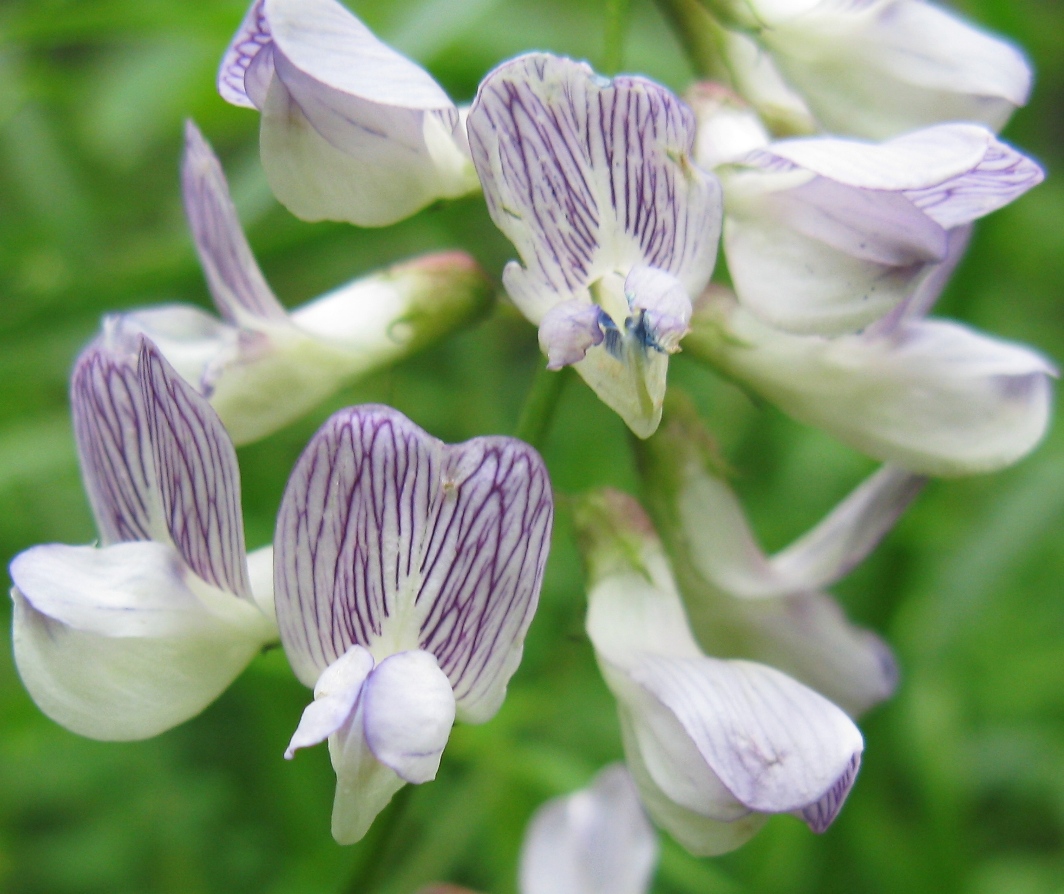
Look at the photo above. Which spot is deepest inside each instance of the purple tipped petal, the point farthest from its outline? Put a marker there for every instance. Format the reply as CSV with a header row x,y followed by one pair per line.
x,y
386,534
776,745
665,305
568,330
197,476
111,430
240,292
1002,176
250,38
588,177
822,814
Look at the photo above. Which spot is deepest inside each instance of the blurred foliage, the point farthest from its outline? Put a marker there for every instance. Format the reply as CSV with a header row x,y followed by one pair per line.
x,y
962,788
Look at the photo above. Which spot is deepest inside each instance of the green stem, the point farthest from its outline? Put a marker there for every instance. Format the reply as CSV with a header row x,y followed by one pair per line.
x,y
533,425
698,33
375,847
616,25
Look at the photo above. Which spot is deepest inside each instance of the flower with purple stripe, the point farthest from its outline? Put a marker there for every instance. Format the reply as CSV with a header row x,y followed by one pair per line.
x,y
715,746
125,640
407,572
351,130
259,349
593,183
826,235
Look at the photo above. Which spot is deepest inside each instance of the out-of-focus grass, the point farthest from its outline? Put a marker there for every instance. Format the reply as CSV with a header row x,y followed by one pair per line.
x,y
962,787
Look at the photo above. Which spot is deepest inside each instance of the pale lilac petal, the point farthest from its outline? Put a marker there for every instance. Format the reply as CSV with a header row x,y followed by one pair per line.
x,y
250,38
594,841
111,430
934,397
776,745
664,304
588,177
409,711
850,532
336,693
385,532
1002,176
240,292
197,475
567,330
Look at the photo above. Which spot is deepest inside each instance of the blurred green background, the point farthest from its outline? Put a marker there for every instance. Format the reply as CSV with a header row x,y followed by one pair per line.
x,y
962,788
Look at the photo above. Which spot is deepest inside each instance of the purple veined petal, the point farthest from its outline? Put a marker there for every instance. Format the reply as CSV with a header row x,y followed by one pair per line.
x,y
595,841
776,745
1002,176
389,539
568,330
111,430
588,177
408,714
239,289
197,476
822,814
250,38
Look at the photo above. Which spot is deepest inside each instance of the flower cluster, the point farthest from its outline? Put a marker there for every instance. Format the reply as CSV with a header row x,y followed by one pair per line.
x,y
839,170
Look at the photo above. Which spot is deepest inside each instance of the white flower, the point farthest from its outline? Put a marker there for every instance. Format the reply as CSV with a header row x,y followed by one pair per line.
x,y
125,640
878,68
931,396
407,572
593,182
351,130
745,604
714,745
259,350
594,841
825,235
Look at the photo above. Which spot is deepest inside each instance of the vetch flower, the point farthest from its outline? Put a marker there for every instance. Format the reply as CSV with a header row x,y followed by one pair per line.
x,y
125,640
744,604
351,130
825,235
714,745
931,396
594,841
259,350
406,572
878,68
593,182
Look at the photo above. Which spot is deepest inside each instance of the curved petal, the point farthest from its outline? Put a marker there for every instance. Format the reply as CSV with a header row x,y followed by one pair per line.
x,y
567,330
881,68
934,397
390,539
196,474
589,178
237,285
336,695
409,712
111,430
701,835
594,841
251,37
776,745
119,644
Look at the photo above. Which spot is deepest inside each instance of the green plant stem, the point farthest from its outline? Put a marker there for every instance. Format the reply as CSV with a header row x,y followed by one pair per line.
x,y
698,33
379,840
534,423
616,25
